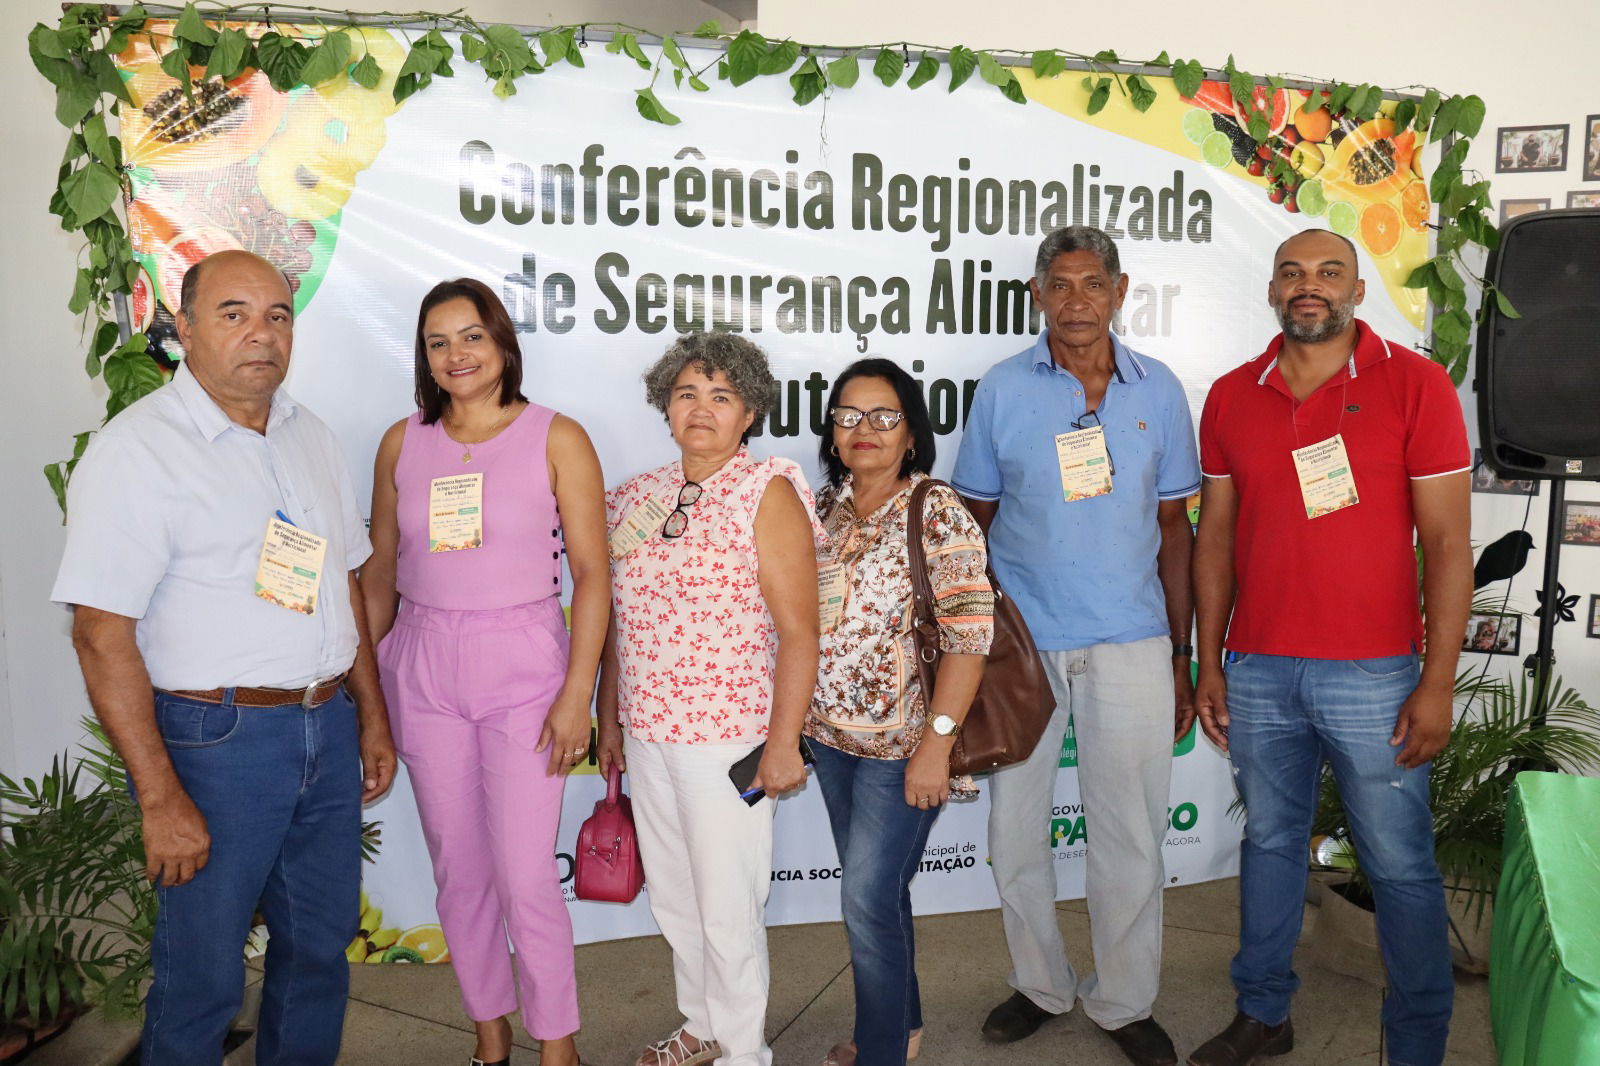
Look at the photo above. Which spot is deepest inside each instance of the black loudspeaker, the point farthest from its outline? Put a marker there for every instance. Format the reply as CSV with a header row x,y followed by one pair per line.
x,y
1538,380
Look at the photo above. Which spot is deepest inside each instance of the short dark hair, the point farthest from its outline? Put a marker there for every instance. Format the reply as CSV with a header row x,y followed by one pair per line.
x,y
431,399
1077,239
742,361
921,454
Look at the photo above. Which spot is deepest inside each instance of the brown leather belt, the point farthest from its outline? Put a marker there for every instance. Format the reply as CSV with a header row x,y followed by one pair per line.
x,y
315,695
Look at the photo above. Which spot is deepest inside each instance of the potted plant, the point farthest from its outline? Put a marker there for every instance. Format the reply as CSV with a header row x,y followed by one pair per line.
x,y
1504,728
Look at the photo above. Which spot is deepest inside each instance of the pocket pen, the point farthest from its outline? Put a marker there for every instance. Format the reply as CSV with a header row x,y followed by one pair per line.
x,y
285,519
1228,660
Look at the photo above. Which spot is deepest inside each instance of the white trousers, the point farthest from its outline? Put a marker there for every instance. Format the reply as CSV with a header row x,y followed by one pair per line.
x,y
708,868
1120,697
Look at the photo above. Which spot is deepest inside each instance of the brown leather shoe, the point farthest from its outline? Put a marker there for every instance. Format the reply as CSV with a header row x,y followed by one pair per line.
x,y
1243,1040
1014,1019
1145,1043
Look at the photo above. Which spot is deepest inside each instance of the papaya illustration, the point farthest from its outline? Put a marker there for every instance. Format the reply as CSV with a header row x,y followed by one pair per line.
x,y
1371,162
219,123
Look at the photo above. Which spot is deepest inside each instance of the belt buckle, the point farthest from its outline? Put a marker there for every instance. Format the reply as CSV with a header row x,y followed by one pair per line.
x,y
310,693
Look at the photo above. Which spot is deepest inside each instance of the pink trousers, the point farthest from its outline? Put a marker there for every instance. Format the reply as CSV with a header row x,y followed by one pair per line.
x,y
468,692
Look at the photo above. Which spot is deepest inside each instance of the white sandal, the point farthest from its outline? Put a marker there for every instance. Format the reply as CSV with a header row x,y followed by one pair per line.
x,y
674,1052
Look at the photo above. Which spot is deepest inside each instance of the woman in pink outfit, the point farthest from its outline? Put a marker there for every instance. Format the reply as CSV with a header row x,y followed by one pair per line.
x,y
473,499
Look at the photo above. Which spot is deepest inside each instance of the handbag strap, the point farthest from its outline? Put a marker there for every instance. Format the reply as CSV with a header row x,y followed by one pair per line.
x,y
613,785
924,626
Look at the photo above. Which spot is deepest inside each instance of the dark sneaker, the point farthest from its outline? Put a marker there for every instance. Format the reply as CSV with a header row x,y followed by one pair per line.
x,y
1014,1019
1242,1041
1145,1043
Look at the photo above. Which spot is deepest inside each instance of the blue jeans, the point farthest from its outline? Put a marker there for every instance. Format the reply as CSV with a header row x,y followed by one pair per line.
x,y
880,839
280,789
1288,715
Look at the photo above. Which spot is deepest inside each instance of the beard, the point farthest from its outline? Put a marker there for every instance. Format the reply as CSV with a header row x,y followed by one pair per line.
x,y
1339,318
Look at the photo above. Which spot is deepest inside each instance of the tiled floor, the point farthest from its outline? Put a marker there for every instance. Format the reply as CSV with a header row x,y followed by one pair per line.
x,y
411,1014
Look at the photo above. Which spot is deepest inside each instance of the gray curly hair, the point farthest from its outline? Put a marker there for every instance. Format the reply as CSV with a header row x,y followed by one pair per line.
x,y
744,363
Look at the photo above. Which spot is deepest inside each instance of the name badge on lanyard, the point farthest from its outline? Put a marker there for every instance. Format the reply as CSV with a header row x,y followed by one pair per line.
x,y
290,568
637,527
455,513
831,583
1085,463
1326,481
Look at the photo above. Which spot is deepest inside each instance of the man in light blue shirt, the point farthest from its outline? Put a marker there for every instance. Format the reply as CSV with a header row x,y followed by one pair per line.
x,y
212,540
1078,459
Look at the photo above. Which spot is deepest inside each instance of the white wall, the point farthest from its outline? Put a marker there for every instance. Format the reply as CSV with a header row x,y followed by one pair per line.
x,y
1535,67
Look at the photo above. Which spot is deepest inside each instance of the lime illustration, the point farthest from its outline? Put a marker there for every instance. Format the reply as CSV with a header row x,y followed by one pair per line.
x,y
1312,200
1343,218
1217,149
1197,125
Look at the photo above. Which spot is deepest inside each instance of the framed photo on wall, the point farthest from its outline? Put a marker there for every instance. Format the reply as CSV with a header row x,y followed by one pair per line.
x,y
1531,149
1493,634
1583,198
1594,617
1580,524
1510,209
1486,480
1591,148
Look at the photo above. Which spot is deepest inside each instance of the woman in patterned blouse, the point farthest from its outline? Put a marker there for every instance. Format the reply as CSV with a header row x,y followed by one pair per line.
x,y
883,752
712,651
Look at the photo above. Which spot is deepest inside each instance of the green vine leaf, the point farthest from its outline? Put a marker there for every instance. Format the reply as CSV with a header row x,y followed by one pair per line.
x,y
100,144
808,82
1405,113
473,48
1447,273
1427,109
192,27
708,28
282,58
557,44
175,64
327,60
1339,99
1141,92
963,61
1106,56
745,53
674,54
697,85
1451,238
509,53
1099,95
229,55
1257,127
927,70
57,474
1012,90
1187,77
652,109
1048,63
76,98
1243,88
888,67
44,41
780,58
1469,120
82,291
1162,60
630,45
991,70
844,71
1315,102
91,190
105,339
130,374
1420,277
1504,303
1444,123
367,73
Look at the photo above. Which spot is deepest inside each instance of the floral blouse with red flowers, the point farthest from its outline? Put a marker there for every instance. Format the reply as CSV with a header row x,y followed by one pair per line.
x,y
696,645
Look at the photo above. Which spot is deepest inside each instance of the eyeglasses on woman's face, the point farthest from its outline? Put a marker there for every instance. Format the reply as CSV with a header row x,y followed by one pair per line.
x,y
882,419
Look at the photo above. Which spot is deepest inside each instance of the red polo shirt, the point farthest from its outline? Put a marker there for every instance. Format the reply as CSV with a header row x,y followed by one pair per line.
x,y
1343,585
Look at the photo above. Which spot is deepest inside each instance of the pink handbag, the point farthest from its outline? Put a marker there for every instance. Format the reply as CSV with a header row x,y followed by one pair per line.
x,y
607,867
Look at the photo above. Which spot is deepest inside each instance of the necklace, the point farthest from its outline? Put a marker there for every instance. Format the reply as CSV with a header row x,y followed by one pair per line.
x,y
466,446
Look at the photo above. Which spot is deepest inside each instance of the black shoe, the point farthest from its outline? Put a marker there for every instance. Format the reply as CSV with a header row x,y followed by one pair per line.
x,y
1145,1043
1016,1018
1242,1041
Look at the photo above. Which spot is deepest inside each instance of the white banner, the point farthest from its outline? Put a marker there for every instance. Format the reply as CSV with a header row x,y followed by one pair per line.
x,y
881,220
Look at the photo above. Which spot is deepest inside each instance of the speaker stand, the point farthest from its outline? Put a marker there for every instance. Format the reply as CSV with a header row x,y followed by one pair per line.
x,y
1541,664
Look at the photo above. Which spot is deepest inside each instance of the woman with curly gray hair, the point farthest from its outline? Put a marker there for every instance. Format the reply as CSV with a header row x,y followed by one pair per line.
x,y
712,654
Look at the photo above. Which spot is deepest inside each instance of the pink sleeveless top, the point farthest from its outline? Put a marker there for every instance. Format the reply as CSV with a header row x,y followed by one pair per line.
x,y
520,560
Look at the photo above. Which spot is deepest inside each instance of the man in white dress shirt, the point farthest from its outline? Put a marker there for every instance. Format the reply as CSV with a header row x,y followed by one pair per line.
x,y
211,547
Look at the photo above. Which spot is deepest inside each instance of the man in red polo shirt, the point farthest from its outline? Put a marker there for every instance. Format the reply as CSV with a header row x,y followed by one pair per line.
x,y
1326,459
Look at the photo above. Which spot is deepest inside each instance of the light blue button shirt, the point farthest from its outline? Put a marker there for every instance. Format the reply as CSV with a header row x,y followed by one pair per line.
x,y
1082,573
166,515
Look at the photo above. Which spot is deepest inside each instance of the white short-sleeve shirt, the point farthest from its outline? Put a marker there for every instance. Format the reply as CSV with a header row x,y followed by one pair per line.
x,y
166,514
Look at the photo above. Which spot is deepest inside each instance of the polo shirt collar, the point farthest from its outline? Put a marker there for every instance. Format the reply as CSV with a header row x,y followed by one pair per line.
x,y
1370,350
1125,365
210,419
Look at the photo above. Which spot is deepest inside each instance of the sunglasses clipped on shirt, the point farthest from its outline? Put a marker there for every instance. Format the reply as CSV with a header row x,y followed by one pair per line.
x,y
678,520
1084,422
882,419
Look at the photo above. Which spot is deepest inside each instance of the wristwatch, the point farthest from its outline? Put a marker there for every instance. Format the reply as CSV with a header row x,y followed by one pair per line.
x,y
945,726
1182,651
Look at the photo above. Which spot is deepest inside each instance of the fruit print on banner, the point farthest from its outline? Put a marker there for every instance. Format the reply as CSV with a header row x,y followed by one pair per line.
x,y
237,164
1357,178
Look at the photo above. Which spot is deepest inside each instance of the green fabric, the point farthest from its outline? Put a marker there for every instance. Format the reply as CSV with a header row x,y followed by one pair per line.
x,y
1544,966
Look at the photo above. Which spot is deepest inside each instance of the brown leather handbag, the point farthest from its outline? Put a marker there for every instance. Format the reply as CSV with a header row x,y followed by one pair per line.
x,y
1014,700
